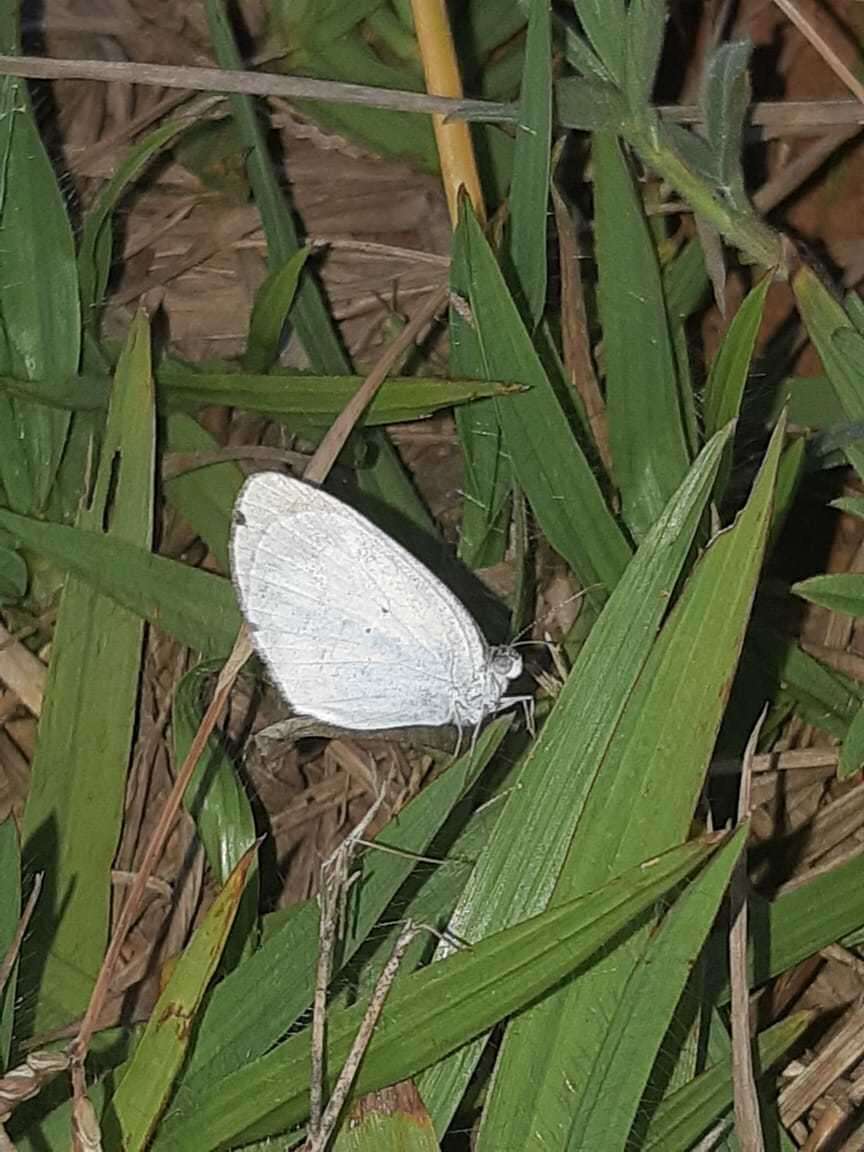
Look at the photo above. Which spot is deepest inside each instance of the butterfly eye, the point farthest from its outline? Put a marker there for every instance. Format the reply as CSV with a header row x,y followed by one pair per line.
x,y
507,663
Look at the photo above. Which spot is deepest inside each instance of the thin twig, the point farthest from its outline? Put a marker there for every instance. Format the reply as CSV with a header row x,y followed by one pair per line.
x,y
783,117
251,84
748,1126
317,1141
341,428
332,892
15,946
831,58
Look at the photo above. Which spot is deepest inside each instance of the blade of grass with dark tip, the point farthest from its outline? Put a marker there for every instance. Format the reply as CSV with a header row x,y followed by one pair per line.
x,y
195,607
74,809
149,1076
641,801
314,327
517,873
546,457
10,911
646,432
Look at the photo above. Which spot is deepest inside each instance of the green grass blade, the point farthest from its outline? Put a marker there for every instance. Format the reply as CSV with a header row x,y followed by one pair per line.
x,y
546,457
825,319
841,592
516,874
217,802
94,255
728,376
74,809
634,1037
641,802
271,306
646,432
529,189
195,607
288,396
257,1004
10,910
686,1115
203,496
144,1090
488,481
428,1013
39,303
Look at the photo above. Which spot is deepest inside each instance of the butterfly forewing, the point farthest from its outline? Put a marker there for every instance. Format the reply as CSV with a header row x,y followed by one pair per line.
x,y
353,628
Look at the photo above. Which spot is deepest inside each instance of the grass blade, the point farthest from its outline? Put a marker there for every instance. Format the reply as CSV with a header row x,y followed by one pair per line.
x,y
516,874
143,1092
547,459
646,432
641,801
75,806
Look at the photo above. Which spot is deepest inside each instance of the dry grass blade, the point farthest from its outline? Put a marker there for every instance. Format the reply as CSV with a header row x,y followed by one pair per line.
x,y
21,671
15,947
748,1126
825,50
249,84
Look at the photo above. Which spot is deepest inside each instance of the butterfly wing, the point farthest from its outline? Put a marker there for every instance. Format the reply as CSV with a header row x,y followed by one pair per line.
x,y
353,629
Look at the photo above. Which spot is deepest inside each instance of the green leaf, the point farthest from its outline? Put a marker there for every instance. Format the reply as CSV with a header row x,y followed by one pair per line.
x,y
195,607
271,306
843,592
724,388
289,396
13,575
517,872
203,496
488,480
646,433
638,801
94,255
645,32
74,809
842,359
10,911
588,104
529,188
604,23
217,802
725,100
547,459
146,1085
688,1114
427,1014
852,753
634,1035
39,304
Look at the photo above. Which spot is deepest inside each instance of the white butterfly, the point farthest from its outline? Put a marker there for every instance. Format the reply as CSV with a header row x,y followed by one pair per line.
x,y
354,630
